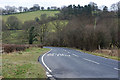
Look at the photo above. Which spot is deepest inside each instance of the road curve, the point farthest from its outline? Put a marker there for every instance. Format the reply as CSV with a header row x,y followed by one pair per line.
x,y
69,63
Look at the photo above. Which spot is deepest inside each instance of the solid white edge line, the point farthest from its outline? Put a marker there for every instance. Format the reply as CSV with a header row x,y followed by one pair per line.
x,y
91,61
116,69
97,56
44,62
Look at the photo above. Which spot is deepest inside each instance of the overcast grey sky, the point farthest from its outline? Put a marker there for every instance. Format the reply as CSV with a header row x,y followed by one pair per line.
x,y
58,3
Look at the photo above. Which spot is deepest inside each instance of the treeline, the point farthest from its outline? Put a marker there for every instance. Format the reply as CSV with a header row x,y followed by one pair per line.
x,y
85,27
89,28
89,32
90,9
16,10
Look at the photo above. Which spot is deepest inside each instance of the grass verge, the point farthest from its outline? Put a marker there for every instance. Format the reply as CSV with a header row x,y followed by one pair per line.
x,y
101,54
23,64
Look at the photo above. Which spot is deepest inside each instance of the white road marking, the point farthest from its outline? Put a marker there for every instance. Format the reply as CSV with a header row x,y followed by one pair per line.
x,y
44,62
67,55
50,54
116,69
68,52
91,61
57,55
76,55
48,75
95,55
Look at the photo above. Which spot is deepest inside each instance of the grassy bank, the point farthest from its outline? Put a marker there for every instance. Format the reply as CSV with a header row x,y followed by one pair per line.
x,y
23,64
101,54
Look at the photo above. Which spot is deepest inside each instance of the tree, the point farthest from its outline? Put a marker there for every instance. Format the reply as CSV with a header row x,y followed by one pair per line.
x,y
43,27
118,13
48,8
105,9
79,9
42,8
58,9
31,35
59,25
93,6
3,25
10,9
31,31
25,9
7,9
20,8
114,7
35,7
13,23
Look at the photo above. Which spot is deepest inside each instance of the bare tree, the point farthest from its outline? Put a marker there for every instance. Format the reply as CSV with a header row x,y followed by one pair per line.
x,y
20,8
13,23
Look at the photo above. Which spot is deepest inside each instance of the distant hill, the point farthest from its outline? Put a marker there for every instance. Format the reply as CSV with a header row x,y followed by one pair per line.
x,y
30,15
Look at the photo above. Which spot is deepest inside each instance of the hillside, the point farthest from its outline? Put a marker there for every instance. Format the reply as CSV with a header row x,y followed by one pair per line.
x,y
30,15
17,36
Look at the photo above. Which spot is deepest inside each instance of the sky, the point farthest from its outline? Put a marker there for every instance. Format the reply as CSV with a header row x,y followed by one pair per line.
x,y
58,3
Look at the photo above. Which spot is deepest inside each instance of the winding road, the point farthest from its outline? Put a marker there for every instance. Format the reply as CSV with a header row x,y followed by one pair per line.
x,y
69,63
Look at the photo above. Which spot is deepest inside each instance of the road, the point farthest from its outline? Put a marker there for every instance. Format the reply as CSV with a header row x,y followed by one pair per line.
x,y
69,63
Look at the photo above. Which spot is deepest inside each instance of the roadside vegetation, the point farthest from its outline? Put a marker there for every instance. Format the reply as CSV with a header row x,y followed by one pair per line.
x,y
23,64
103,54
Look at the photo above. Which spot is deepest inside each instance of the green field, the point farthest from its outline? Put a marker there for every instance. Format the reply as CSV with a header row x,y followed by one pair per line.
x,y
23,64
30,15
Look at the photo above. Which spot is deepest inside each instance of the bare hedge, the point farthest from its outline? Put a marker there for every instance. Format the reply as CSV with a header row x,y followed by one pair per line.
x,y
8,48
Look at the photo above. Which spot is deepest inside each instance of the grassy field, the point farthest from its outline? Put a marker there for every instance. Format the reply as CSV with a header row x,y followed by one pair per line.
x,y
23,64
30,15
